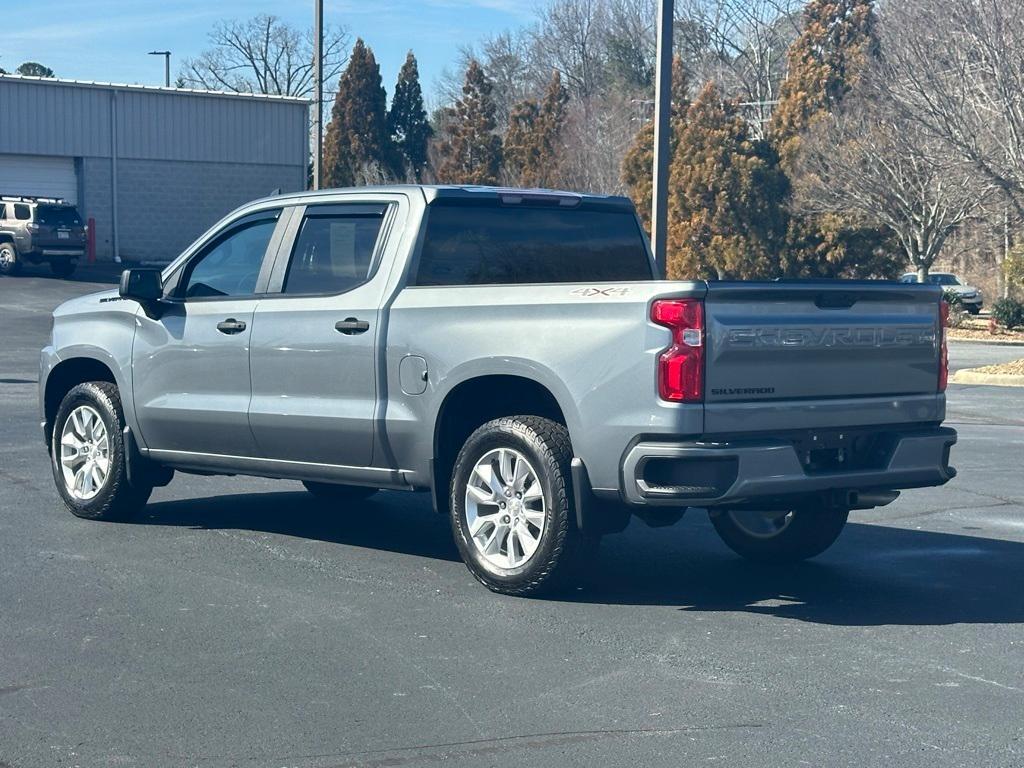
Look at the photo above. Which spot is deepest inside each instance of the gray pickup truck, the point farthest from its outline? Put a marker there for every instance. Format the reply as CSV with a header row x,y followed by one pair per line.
x,y
513,353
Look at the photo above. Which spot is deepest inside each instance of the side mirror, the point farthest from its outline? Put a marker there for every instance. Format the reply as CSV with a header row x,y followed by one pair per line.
x,y
146,286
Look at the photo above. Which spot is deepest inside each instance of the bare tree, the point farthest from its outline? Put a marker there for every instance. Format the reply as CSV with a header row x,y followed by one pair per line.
x,y
629,41
871,163
955,67
264,55
596,138
741,45
569,37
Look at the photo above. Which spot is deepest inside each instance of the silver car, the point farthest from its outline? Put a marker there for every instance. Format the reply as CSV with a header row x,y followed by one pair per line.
x,y
971,297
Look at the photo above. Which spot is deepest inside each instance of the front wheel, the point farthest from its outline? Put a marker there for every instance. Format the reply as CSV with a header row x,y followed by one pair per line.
x,y
10,261
511,505
784,536
972,309
88,455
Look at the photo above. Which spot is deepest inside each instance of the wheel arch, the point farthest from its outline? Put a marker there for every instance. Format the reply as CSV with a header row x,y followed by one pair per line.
x,y
478,399
64,376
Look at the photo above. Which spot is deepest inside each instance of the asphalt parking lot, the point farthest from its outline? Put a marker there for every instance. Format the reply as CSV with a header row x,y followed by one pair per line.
x,y
239,624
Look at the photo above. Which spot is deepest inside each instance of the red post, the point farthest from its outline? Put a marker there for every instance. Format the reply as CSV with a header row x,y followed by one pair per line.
x,y
90,241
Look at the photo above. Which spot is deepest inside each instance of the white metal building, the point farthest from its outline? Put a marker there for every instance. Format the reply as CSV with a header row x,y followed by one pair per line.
x,y
155,167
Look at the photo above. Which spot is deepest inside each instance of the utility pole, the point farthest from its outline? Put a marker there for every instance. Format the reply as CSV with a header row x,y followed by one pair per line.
x,y
662,127
318,89
167,65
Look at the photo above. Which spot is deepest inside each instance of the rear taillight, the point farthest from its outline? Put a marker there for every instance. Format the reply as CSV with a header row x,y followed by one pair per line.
x,y
944,346
681,366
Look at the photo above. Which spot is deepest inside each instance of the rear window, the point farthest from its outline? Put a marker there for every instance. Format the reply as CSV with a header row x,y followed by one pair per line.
x,y
62,216
496,244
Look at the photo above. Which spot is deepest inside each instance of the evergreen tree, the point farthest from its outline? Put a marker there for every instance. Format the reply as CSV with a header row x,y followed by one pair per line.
x,y
407,121
470,150
725,202
521,152
836,45
357,146
638,164
532,150
825,61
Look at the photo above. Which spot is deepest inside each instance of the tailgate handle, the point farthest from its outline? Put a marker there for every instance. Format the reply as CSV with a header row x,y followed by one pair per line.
x,y
833,300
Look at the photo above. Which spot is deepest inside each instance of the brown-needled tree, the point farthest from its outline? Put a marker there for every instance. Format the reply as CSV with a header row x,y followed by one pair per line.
x,y
470,150
357,144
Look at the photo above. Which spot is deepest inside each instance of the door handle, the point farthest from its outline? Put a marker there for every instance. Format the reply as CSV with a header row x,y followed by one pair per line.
x,y
351,326
230,326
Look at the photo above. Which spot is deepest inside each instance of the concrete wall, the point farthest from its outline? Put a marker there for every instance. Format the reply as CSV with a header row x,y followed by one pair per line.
x,y
166,205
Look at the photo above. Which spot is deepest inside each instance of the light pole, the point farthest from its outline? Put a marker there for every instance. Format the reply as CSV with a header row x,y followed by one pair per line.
x,y
167,65
662,127
318,88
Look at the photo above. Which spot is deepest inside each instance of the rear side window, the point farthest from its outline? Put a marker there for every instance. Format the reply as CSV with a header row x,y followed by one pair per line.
x,y
496,244
58,216
21,212
333,253
3,211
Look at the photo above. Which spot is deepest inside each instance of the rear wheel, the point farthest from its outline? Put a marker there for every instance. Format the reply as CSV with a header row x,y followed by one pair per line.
x,y
64,268
339,494
511,506
780,536
10,262
88,455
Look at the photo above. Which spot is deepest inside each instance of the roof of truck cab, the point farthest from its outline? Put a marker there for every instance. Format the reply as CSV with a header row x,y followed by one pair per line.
x,y
436,192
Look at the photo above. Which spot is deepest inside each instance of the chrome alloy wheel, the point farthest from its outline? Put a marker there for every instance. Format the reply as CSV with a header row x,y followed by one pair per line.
x,y
761,525
84,453
7,258
505,508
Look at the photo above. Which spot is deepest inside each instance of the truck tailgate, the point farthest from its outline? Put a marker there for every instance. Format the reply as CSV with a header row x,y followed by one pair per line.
x,y
820,354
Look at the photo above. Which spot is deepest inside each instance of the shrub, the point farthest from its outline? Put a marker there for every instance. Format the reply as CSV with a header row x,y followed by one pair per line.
x,y
1009,313
957,313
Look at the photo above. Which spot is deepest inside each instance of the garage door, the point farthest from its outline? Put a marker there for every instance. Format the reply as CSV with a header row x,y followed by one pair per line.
x,y
40,176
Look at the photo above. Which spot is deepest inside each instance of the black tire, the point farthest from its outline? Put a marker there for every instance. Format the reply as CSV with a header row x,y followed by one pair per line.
x,y
973,309
562,548
63,268
339,494
810,531
117,499
10,261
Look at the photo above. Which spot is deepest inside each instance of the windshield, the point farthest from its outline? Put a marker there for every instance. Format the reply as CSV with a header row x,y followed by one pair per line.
x,y
943,280
58,216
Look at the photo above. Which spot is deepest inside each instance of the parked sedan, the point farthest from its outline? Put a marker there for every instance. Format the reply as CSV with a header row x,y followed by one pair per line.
x,y
970,296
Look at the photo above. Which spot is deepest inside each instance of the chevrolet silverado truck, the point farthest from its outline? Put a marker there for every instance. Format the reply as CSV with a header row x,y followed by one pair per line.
x,y
513,353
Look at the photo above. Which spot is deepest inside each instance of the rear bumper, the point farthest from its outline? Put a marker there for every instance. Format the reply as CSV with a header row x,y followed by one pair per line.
x,y
705,474
49,252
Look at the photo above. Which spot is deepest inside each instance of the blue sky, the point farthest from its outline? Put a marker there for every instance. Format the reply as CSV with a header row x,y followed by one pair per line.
x,y
107,40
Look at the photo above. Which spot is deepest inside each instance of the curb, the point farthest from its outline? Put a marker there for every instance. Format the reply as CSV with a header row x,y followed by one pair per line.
x,y
989,342
971,376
